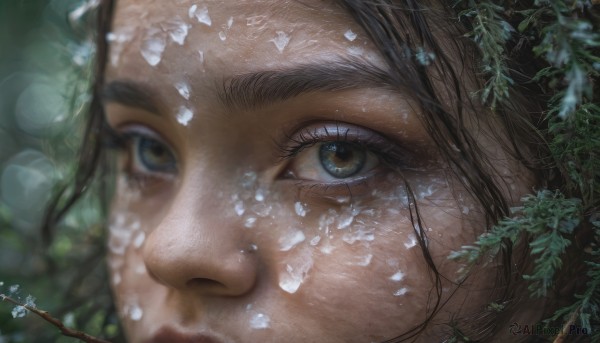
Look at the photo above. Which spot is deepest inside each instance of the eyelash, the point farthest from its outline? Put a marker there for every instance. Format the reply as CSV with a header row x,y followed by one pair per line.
x,y
389,152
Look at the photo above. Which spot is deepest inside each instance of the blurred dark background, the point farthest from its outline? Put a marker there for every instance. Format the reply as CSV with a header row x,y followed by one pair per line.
x,y
46,58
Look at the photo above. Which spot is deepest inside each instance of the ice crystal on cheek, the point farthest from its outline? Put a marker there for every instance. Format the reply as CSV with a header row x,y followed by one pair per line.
x,y
136,313
300,209
239,208
259,195
412,241
153,47
401,291
260,321
250,222
121,231
359,233
177,29
184,115
366,260
351,36
295,273
288,242
139,240
201,15
398,276
262,209
281,41
183,89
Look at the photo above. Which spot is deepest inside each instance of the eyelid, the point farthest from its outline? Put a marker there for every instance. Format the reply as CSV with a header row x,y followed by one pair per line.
x,y
125,136
389,151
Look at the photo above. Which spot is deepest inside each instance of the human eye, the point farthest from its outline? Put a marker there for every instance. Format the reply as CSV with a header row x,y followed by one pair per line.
x,y
340,155
146,156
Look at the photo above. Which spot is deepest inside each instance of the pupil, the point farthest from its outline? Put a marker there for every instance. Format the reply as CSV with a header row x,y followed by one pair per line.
x,y
342,153
341,160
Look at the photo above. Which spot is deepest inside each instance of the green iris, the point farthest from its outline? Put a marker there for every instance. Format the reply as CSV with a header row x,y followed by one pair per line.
x,y
342,160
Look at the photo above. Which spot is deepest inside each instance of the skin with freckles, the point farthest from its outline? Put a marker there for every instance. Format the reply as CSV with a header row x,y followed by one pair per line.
x,y
270,219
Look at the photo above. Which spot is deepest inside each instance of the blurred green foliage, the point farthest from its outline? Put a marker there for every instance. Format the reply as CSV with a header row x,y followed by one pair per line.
x,y
46,48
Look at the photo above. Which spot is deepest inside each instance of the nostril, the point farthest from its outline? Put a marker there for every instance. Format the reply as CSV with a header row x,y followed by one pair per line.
x,y
204,283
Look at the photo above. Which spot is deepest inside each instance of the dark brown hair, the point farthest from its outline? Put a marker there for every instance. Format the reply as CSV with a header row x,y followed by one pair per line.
x,y
441,88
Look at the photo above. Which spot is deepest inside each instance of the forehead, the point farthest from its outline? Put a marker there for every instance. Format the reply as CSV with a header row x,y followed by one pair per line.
x,y
212,38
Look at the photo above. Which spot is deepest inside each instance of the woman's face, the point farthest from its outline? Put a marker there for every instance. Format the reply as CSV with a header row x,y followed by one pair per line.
x,y
263,193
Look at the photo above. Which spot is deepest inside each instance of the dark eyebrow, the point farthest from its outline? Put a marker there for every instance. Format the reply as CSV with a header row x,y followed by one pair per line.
x,y
257,89
130,93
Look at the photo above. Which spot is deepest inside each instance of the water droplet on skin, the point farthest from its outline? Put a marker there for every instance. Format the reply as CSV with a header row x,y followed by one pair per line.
x,y
398,276
350,35
222,35
201,56
253,247
229,22
412,241
260,195
401,291
287,243
136,313
466,210
183,89
239,207
153,46
300,209
250,222
201,15
281,41
260,321
139,240
184,115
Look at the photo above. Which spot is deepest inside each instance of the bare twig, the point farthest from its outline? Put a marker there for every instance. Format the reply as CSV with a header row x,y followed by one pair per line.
x,y
47,317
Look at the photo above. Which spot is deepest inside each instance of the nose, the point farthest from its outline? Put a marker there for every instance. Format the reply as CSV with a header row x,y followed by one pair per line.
x,y
196,248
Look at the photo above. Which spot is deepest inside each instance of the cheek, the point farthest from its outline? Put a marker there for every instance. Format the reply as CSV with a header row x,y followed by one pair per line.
x,y
322,255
